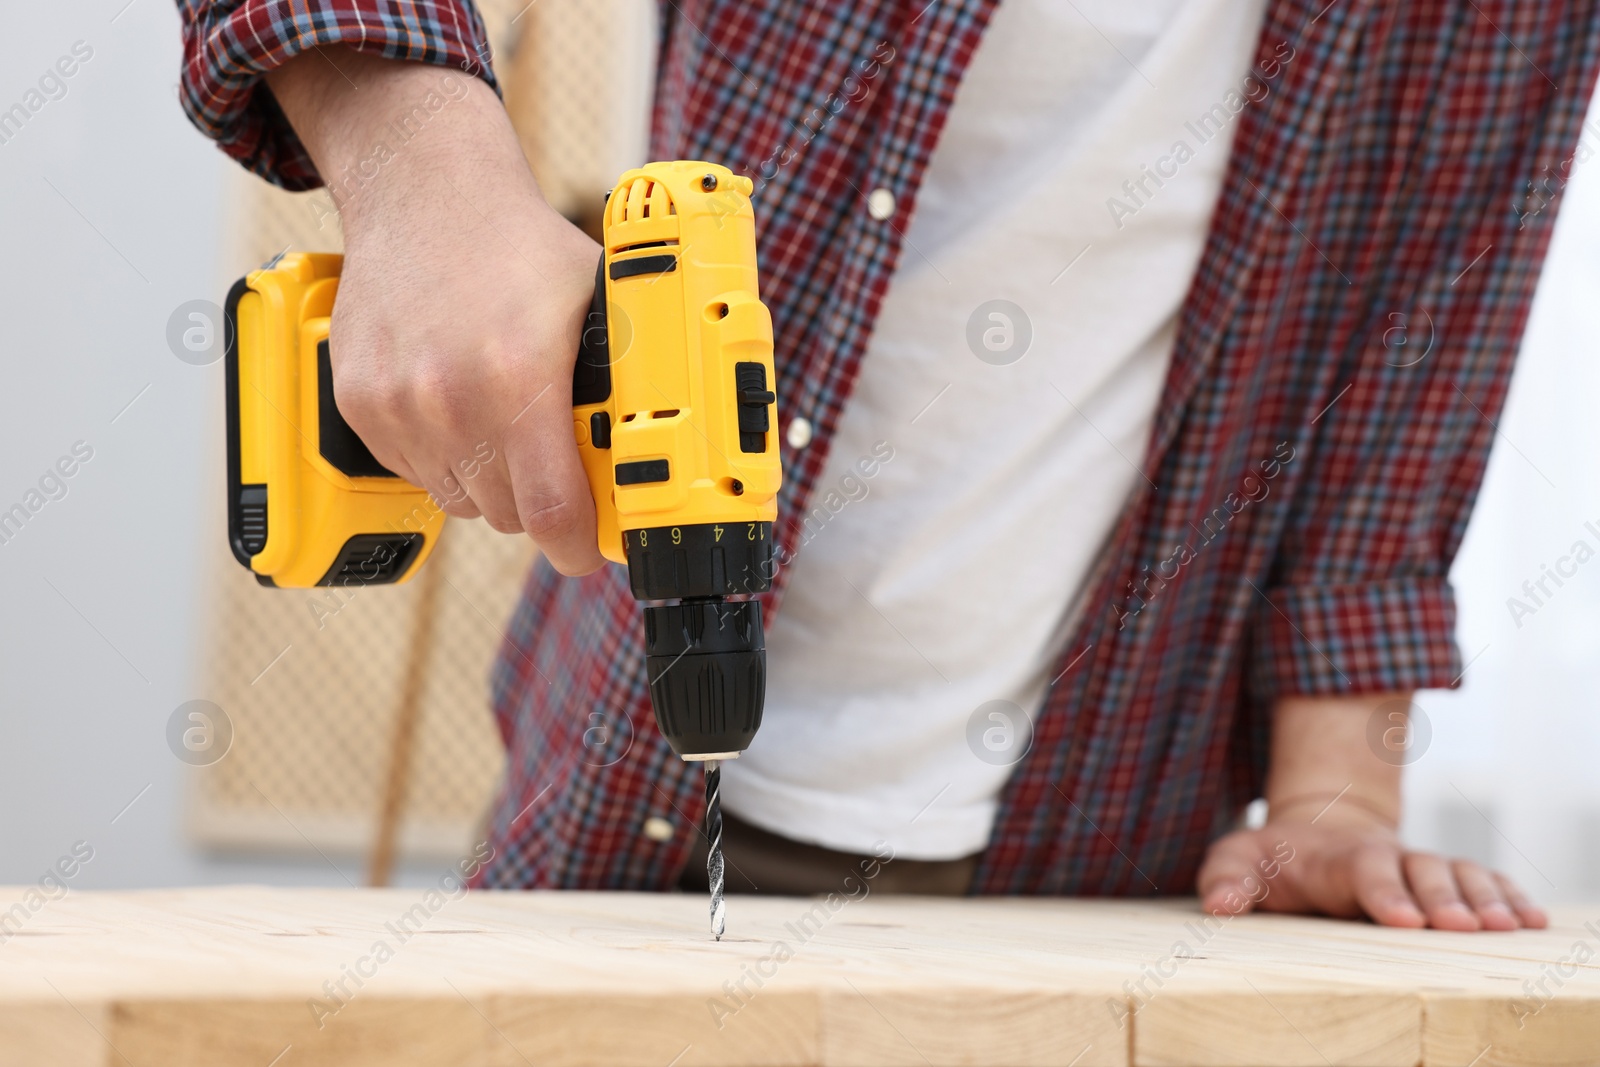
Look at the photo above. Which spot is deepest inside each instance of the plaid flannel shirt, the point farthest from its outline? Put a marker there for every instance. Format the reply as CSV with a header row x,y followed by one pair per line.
x,y
1388,181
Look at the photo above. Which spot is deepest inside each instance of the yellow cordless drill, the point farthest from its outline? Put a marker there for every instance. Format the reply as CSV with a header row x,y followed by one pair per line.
x,y
672,412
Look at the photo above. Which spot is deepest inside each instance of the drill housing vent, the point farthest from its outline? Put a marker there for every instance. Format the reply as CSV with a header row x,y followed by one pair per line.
x,y
639,200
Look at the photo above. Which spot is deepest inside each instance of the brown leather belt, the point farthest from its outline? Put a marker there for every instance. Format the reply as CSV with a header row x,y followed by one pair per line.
x,y
759,861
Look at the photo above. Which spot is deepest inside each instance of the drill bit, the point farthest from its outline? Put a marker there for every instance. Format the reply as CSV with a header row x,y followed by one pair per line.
x,y
719,909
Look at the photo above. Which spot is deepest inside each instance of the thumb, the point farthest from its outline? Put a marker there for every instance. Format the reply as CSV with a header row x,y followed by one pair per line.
x,y
1230,877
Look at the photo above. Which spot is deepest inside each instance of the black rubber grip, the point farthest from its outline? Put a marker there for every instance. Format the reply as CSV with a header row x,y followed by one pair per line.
x,y
632,268
707,664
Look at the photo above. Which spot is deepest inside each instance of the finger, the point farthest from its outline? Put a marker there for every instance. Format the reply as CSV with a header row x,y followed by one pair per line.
x,y
1484,896
489,486
1380,888
1532,916
396,464
552,495
377,439
451,496
1229,882
1433,883
372,413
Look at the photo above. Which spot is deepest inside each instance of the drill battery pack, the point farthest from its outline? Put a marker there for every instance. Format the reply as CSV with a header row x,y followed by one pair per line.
x,y
308,504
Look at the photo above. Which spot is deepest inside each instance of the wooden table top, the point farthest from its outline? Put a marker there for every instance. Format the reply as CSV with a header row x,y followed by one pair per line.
x,y
293,977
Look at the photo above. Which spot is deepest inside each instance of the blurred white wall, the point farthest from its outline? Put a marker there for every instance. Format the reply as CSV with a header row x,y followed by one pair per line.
x,y
110,219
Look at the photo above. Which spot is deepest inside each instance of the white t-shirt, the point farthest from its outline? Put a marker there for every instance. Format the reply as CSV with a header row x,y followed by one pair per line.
x,y
938,581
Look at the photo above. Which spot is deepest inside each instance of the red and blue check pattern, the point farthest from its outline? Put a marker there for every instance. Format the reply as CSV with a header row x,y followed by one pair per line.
x,y
1383,176
229,44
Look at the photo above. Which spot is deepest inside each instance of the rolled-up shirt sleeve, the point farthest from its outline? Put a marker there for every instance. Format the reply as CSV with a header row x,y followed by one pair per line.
x,y
1359,599
228,45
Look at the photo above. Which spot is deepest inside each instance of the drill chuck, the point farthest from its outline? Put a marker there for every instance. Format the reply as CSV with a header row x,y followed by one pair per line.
x,y
707,661
707,657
